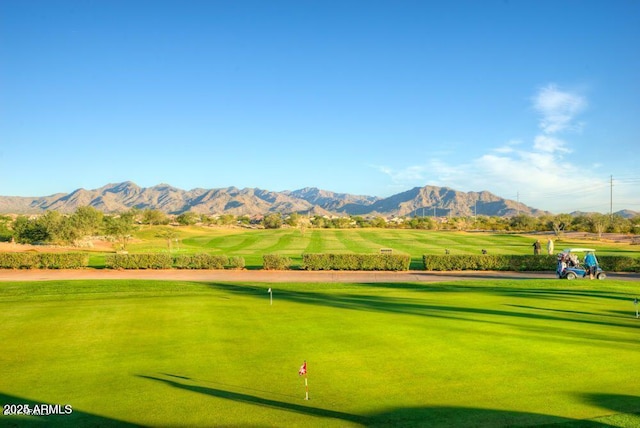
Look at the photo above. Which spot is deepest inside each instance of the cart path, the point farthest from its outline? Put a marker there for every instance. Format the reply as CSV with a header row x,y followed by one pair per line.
x,y
278,276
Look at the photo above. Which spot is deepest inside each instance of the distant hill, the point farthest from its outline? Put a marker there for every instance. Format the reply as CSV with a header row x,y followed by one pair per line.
x,y
420,201
621,213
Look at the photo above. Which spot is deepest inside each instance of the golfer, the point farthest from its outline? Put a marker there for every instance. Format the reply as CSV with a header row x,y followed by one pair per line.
x,y
591,263
550,246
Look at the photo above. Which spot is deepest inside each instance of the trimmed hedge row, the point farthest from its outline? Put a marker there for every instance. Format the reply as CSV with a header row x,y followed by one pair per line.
x,y
167,261
619,263
519,263
139,261
43,260
200,261
387,262
489,262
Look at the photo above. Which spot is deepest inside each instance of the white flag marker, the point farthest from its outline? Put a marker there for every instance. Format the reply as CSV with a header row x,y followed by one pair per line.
x,y
270,296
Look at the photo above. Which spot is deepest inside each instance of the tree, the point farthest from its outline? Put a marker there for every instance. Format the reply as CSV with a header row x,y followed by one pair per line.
x,y
634,225
619,224
378,222
272,221
170,235
319,221
5,232
227,219
28,231
341,222
293,219
523,222
559,223
152,217
87,221
422,223
120,227
188,218
598,223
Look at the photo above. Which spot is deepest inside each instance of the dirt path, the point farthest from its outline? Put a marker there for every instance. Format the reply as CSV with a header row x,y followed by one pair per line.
x,y
276,276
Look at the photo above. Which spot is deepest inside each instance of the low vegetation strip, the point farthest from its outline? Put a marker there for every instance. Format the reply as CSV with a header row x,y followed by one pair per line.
x,y
518,263
139,261
43,260
387,262
326,261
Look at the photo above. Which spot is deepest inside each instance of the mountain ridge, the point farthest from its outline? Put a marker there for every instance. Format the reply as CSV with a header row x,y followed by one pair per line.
x,y
418,201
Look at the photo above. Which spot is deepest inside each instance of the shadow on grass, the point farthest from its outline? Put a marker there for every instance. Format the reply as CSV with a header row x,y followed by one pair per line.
x,y
259,401
616,402
412,306
76,418
420,416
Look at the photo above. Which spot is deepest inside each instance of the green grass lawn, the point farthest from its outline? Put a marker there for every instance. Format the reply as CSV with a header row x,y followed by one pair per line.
x,y
473,353
253,244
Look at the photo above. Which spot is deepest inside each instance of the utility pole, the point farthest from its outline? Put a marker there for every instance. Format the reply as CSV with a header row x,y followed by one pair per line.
x,y
611,200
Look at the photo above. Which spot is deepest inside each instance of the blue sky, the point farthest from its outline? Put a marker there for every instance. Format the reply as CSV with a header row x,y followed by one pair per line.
x,y
532,100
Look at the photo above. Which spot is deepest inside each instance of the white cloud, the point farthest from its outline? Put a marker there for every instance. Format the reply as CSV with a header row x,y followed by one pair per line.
x,y
548,144
405,175
558,109
508,147
536,170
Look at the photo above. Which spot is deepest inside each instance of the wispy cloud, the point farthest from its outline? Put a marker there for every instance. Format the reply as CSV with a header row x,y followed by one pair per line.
x,y
537,170
558,109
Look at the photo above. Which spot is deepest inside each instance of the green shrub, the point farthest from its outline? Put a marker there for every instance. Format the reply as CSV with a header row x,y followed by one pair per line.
x,y
236,262
275,262
387,262
139,261
43,260
489,262
63,260
200,261
19,260
619,263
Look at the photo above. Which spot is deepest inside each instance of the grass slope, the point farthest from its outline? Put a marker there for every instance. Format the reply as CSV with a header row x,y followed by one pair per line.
x,y
499,353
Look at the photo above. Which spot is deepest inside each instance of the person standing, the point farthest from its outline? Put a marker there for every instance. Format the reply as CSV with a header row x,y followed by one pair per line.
x,y
536,247
591,263
550,246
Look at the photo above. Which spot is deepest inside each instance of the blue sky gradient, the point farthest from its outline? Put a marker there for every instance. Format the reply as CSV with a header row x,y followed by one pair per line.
x,y
532,100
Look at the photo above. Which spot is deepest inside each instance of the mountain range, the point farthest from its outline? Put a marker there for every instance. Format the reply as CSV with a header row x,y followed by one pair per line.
x,y
420,201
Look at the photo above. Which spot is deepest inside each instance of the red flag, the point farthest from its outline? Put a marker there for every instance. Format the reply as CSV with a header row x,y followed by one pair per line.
x,y
303,369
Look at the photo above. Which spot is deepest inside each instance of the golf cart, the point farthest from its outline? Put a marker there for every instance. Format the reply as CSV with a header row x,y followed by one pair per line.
x,y
571,267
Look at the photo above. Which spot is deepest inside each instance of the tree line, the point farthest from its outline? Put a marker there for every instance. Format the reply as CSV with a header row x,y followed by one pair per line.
x,y
53,227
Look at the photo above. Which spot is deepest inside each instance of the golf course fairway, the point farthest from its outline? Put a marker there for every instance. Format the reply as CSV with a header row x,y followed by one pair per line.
x,y
453,354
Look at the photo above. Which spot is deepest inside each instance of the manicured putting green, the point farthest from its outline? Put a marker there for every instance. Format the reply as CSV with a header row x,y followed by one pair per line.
x,y
476,353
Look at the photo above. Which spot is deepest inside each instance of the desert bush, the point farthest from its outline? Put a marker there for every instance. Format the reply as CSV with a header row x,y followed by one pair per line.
x,y
387,262
139,261
619,263
200,261
275,262
489,262
236,262
43,260
63,260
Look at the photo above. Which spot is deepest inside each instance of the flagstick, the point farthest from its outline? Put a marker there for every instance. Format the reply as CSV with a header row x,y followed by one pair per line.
x,y
270,296
303,372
